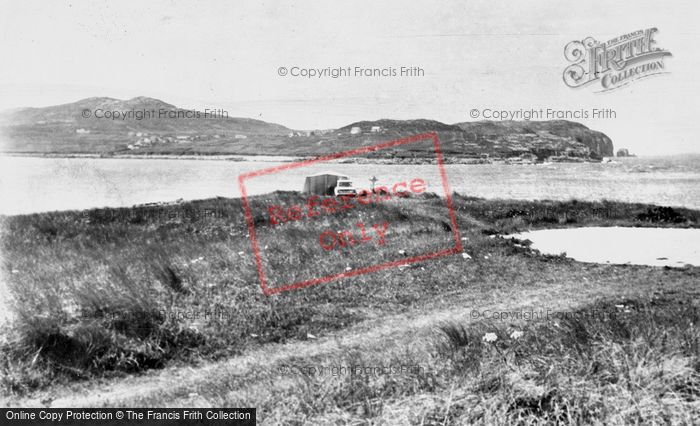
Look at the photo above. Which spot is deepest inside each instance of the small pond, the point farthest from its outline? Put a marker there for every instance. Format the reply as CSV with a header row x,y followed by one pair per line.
x,y
619,245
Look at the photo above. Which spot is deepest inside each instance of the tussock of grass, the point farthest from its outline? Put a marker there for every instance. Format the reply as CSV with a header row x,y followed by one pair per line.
x,y
81,329
632,361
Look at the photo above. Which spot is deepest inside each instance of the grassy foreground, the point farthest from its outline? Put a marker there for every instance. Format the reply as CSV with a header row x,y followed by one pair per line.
x,y
109,292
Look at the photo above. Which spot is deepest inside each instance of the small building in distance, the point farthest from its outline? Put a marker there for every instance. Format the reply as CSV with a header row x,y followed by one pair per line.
x,y
376,129
322,183
355,130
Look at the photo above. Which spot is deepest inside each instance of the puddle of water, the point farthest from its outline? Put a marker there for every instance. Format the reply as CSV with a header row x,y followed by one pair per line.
x,y
619,245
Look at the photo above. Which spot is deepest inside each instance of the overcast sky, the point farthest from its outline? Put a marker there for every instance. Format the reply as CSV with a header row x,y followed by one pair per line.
x,y
476,54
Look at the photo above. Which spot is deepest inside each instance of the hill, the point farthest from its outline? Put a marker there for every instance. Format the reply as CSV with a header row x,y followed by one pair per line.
x,y
108,125
143,125
480,141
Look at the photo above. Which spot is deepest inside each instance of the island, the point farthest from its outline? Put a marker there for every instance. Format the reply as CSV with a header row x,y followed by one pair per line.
x,y
145,126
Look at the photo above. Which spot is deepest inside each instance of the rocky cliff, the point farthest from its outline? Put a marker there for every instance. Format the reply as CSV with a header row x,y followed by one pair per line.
x,y
543,136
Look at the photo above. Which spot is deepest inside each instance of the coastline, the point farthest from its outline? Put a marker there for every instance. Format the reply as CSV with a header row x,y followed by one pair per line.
x,y
478,183
215,157
453,160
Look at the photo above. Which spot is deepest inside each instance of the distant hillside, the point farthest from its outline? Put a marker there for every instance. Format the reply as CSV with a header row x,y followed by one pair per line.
x,y
407,126
63,129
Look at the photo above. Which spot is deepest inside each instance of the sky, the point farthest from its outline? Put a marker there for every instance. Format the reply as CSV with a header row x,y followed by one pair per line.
x,y
494,55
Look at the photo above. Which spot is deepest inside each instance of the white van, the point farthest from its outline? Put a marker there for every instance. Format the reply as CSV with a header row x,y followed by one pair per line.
x,y
344,186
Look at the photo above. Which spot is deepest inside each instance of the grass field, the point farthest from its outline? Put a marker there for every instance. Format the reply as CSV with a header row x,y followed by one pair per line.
x,y
111,296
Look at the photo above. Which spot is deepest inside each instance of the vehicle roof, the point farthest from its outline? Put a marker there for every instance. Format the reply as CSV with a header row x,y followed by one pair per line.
x,y
329,173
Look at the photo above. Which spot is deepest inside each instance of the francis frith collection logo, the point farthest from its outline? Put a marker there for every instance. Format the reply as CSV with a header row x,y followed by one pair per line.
x,y
614,63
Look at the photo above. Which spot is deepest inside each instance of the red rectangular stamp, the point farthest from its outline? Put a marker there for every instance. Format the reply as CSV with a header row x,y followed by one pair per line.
x,y
335,229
